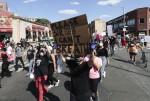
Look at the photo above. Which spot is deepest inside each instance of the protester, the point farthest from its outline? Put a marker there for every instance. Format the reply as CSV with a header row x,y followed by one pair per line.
x,y
118,42
2,44
133,50
103,54
95,63
106,43
9,49
112,43
5,64
80,85
59,63
19,53
30,56
51,69
124,42
41,70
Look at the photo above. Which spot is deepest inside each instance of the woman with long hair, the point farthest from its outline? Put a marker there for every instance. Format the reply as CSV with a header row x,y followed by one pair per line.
x,y
95,64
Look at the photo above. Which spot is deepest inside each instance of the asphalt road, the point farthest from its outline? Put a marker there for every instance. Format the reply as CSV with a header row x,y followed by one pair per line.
x,y
123,82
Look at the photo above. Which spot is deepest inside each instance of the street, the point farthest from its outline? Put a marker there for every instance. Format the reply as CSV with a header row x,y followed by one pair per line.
x,y
123,82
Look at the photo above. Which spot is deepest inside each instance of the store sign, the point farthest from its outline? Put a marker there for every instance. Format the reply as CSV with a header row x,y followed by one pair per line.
x,y
38,27
72,35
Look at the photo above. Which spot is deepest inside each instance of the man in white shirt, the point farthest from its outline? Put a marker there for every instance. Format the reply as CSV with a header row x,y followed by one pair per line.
x,y
9,49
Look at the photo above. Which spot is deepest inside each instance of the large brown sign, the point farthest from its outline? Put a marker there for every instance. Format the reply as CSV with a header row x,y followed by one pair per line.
x,y
72,35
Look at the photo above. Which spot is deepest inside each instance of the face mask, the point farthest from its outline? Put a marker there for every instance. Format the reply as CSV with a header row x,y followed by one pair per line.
x,y
41,54
101,44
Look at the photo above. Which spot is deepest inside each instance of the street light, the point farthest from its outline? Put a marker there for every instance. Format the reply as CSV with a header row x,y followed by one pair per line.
x,y
124,17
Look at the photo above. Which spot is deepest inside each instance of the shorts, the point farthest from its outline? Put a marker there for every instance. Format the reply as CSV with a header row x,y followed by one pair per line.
x,y
94,84
132,53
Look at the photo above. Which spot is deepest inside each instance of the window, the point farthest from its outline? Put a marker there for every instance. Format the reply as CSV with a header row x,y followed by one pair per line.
x,y
115,26
142,20
131,22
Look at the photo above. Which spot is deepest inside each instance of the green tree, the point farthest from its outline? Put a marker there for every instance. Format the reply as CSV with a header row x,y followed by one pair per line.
x,y
43,21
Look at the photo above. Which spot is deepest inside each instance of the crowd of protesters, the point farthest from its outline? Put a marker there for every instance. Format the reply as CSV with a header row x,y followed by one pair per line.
x,y
86,71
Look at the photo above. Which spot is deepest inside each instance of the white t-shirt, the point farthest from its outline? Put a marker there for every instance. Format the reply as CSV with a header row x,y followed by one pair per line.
x,y
9,50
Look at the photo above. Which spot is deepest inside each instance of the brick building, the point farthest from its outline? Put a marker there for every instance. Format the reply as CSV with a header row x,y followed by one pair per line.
x,y
136,22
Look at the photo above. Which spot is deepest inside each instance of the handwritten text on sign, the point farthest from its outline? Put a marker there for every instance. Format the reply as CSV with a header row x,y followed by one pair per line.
x,y
71,33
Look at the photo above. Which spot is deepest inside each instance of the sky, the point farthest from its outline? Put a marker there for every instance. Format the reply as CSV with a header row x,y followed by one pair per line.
x,y
56,10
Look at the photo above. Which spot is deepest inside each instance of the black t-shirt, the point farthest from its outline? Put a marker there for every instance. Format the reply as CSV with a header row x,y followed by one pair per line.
x,y
4,58
30,54
105,43
41,66
112,40
103,52
80,85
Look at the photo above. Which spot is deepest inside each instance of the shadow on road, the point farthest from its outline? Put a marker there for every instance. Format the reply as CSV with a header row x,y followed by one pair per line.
x,y
32,89
66,74
47,96
121,60
67,85
138,64
130,71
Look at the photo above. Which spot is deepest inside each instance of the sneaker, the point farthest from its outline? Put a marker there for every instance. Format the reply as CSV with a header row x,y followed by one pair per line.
x,y
50,86
104,74
91,99
134,64
57,83
27,74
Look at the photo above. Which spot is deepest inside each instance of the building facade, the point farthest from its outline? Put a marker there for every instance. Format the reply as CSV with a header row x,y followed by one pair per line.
x,y
97,26
136,22
28,30
16,27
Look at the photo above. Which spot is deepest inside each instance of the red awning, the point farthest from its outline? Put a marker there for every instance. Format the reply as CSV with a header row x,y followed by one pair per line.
x,y
5,29
5,13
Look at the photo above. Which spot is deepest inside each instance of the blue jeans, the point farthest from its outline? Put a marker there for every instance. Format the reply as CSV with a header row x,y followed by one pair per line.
x,y
31,68
104,62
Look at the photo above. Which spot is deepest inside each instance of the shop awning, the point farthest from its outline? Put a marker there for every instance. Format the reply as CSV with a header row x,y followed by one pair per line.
x,y
5,29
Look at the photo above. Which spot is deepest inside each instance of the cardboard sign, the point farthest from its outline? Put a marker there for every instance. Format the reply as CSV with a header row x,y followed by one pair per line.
x,y
72,35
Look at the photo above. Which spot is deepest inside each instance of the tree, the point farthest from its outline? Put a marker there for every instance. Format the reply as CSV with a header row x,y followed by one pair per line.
x,y
43,21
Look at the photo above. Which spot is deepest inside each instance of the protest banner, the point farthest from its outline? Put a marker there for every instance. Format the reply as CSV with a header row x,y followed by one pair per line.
x,y
72,35
109,30
147,38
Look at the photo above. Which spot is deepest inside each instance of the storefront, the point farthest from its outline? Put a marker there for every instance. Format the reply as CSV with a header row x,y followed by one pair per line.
x,y
5,25
28,30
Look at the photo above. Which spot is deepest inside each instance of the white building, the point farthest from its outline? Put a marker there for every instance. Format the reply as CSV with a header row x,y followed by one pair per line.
x,y
97,25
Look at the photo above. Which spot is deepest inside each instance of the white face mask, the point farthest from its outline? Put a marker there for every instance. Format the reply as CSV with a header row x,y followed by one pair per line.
x,y
41,54
101,44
